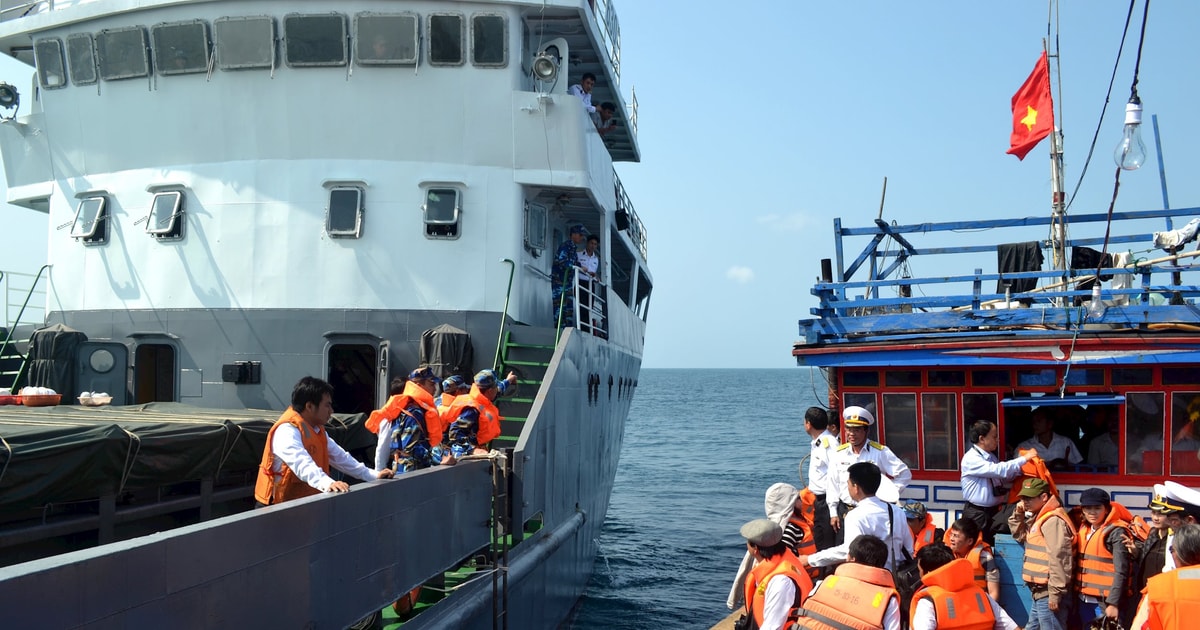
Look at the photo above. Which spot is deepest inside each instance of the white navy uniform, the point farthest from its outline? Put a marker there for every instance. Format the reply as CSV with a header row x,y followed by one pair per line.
x,y
873,452
818,462
1189,499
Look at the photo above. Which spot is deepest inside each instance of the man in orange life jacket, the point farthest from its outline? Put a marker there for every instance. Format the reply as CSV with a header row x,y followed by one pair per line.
x,y
474,419
863,579
299,451
1172,599
920,523
1041,524
966,541
787,506
409,427
950,599
1102,561
777,585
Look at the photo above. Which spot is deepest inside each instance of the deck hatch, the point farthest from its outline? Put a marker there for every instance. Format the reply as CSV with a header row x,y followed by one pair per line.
x,y
181,47
244,43
51,66
315,40
385,39
489,40
90,220
166,212
343,217
81,58
445,39
123,53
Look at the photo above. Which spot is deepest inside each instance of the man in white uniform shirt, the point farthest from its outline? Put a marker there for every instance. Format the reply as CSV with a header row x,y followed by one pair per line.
x,y
872,517
984,477
859,449
1182,498
824,443
1057,450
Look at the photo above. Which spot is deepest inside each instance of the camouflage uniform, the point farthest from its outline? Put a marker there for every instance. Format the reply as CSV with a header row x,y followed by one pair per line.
x,y
562,277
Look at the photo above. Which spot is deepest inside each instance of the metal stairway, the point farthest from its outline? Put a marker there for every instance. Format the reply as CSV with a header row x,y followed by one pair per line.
x,y
526,350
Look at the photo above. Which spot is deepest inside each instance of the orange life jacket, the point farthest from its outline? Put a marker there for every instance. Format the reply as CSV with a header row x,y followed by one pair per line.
x,y
444,408
959,603
807,545
489,416
1094,560
276,487
755,590
1172,598
396,405
1034,468
1036,569
975,557
871,587
926,535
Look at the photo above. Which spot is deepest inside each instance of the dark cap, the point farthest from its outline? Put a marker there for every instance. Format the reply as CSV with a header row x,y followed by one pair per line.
x,y
422,374
453,383
762,532
1033,487
579,228
486,379
914,510
1094,496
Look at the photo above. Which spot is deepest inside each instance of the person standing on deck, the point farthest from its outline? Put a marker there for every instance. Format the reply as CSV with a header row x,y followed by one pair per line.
x,y
562,276
451,387
1152,554
824,444
863,578
777,585
984,476
949,599
1040,523
860,449
299,451
409,427
1188,501
1171,599
476,419
1102,561
872,516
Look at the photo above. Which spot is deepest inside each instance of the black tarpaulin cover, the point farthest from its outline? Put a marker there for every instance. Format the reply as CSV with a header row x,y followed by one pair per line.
x,y
68,453
447,350
52,358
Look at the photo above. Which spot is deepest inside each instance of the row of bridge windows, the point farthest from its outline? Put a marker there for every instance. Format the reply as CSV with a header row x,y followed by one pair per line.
x,y
241,43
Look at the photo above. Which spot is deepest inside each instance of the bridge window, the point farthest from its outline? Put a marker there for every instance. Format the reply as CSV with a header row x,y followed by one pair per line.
x,y
1144,433
244,42
1181,376
81,58
1132,376
990,378
91,220
181,47
51,67
899,421
122,53
385,39
947,378
860,379
489,40
535,226
166,215
445,39
902,378
1185,433
343,218
939,420
314,40
442,209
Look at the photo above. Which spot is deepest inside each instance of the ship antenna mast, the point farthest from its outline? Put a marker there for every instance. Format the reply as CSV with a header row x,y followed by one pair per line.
x,y
1058,206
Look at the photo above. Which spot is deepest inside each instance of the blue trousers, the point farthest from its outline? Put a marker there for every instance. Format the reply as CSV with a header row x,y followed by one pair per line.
x,y
1042,618
1085,612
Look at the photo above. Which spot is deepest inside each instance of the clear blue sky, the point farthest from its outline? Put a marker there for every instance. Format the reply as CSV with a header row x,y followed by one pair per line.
x,y
761,121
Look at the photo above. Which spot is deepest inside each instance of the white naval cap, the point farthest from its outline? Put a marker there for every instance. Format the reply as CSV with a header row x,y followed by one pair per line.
x,y
857,417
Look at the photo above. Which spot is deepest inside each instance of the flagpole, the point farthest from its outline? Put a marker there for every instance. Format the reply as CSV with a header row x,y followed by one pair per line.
x,y
1058,206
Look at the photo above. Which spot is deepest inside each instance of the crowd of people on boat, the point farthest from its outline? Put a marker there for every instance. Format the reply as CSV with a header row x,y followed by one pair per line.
x,y
844,553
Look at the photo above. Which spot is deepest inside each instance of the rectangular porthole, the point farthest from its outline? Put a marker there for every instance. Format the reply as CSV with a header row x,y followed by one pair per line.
x,y
81,59
385,39
51,67
344,216
489,40
314,40
445,39
535,226
166,215
441,210
181,47
91,220
122,53
244,43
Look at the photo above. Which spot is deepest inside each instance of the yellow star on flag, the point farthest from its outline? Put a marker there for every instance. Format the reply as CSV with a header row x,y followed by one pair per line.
x,y
1030,118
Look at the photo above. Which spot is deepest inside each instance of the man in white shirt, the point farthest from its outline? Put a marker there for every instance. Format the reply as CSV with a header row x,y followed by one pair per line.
x,y
984,477
583,90
1187,503
824,443
924,616
858,448
299,451
1057,450
871,517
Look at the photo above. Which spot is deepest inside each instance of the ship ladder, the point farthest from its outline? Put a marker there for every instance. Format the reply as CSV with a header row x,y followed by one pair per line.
x,y
14,363
526,351
501,541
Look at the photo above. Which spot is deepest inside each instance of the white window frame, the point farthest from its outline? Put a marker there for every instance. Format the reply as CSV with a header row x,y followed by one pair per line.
x,y
99,233
177,214
458,204
360,206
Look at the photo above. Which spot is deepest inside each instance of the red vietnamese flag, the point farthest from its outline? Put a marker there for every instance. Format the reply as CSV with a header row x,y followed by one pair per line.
x,y
1033,110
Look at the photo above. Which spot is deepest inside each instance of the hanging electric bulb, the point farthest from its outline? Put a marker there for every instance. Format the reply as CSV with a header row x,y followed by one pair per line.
x,y
1096,308
1131,152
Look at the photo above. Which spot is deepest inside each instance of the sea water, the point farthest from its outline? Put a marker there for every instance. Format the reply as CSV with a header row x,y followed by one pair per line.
x,y
701,448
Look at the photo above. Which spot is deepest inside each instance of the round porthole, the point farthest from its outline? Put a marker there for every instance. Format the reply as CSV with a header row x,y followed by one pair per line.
x,y
101,361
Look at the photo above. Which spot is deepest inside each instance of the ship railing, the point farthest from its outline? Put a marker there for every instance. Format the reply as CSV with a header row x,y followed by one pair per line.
x,y
1148,290
591,306
625,215
610,32
26,315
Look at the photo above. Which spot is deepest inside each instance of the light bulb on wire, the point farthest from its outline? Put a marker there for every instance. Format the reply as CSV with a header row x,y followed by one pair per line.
x,y
1131,152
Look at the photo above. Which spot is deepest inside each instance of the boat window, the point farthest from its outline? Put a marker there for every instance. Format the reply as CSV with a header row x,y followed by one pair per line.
x,y
860,379
1181,376
1132,376
314,40
899,421
939,421
122,53
978,407
1185,433
51,66
91,225
445,39
990,378
166,215
1101,441
902,378
1047,377
81,58
947,378
535,226
385,39
489,40
1077,376
441,210
866,401
244,42
1144,424
181,47
343,218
